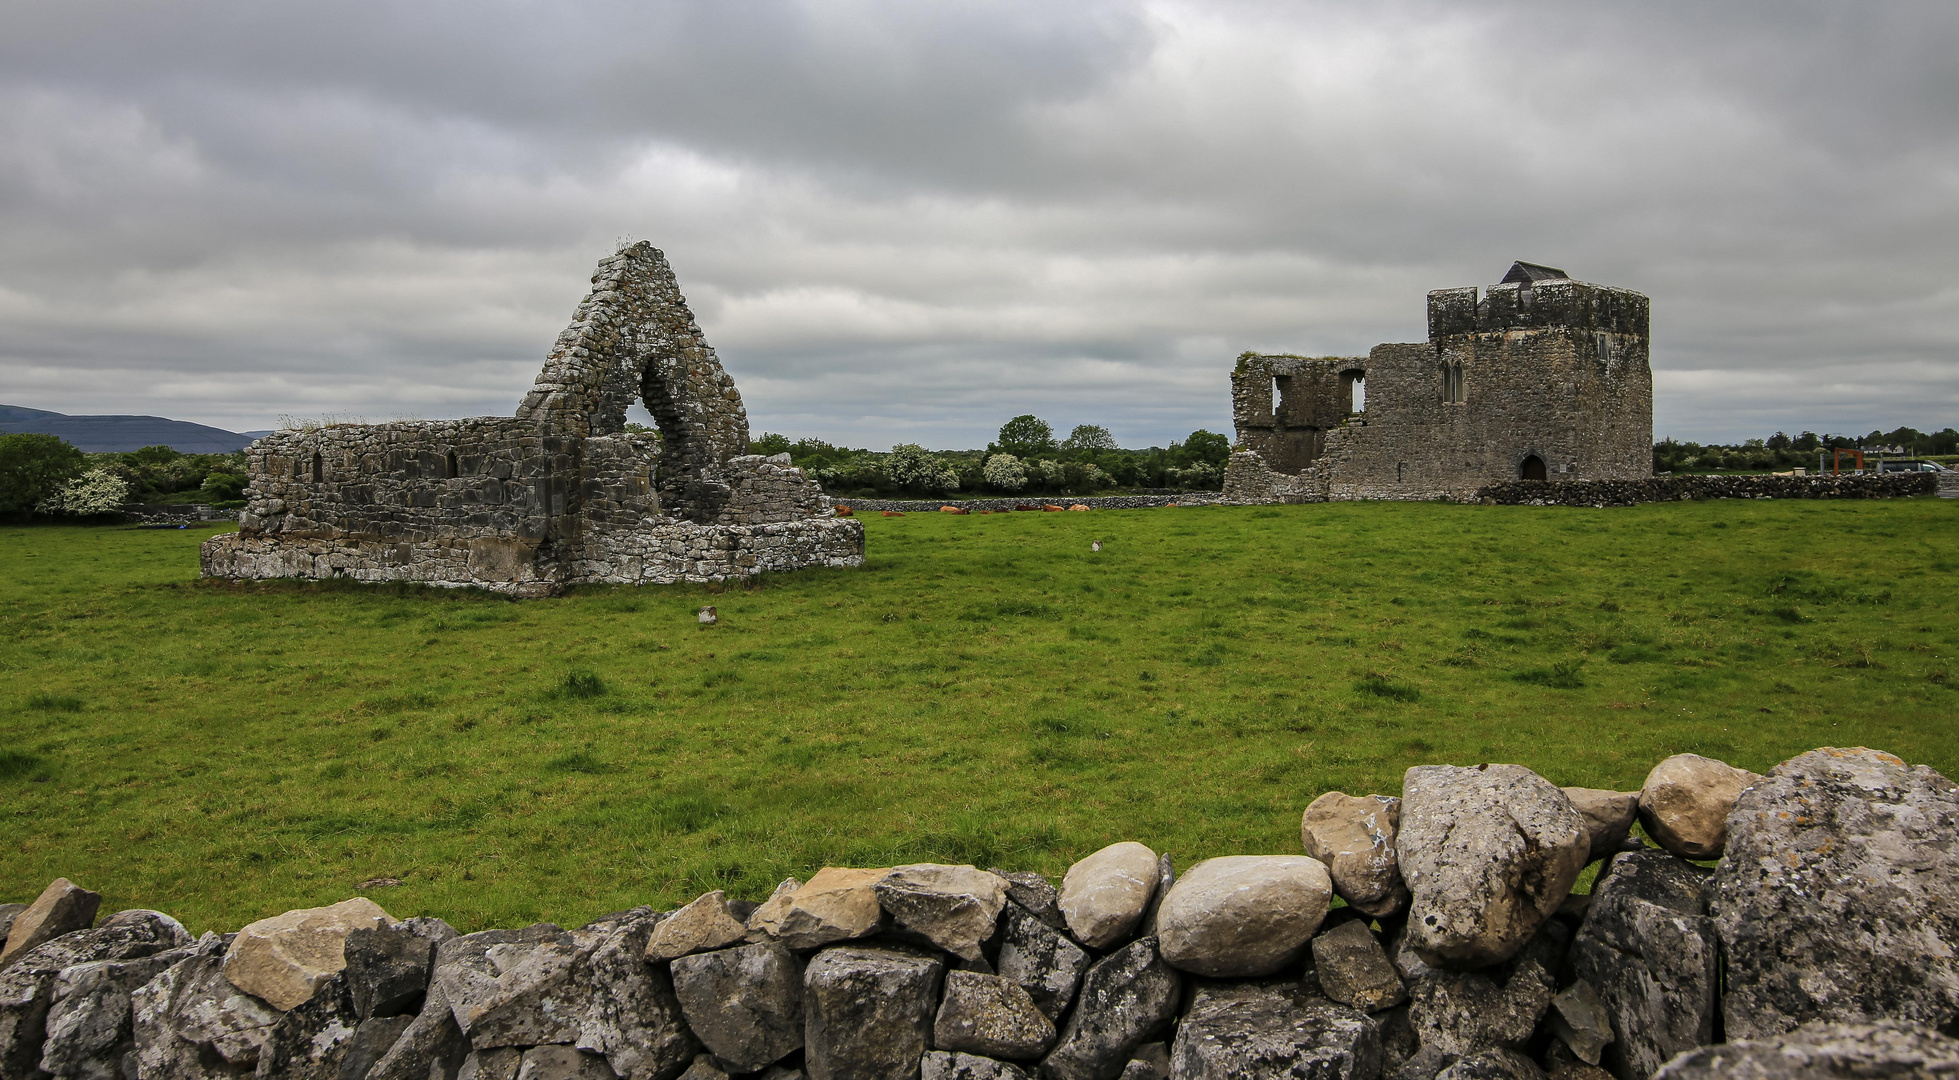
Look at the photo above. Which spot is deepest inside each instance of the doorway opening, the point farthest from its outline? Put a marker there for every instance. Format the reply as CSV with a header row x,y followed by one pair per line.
x,y
1532,468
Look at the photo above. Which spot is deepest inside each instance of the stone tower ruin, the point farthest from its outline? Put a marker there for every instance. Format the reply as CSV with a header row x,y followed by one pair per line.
x,y
560,494
1536,377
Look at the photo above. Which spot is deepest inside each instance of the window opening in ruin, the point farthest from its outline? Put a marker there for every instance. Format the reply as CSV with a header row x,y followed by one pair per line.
x,y
449,466
1604,346
1462,392
1533,468
1353,389
1278,395
319,469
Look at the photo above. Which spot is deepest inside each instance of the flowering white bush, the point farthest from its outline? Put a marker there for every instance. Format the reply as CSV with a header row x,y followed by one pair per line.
x,y
97,491
1053,473
912,467
1004,471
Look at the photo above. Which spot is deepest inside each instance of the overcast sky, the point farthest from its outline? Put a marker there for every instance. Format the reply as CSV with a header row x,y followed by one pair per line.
x,y
910,221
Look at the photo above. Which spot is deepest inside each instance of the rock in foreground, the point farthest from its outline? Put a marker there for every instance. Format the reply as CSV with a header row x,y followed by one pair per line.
x,y
1838,899
1243,915
1354,837
1685,801
1824,1051
1489,852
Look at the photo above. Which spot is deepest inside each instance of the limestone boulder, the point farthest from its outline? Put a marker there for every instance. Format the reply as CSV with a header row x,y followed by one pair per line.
x,y
836,904
630,1012
62,908
1126,998
745,1004
990,1016
311,1040
284,959
88,1022
1150,1061
387,969
1608,815
1040,959
1353,969
941,1065
1493,1065
190,1021
511,987
1648,949
765,922
1455,1014
1255,1032
1824,1051
564,1063
27,986
1035,893
867,1011
1243,915
1848,860
8,912
1685,801
371,1042
705,924
590,988
431,1047
954,908
1488,852
501,1063
1104,896
704,1068
1579,1019
1355,837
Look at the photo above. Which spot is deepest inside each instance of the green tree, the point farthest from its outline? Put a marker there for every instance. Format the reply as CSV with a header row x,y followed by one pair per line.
x,y
1203,447
770,443
1089,437
1024,435
34,467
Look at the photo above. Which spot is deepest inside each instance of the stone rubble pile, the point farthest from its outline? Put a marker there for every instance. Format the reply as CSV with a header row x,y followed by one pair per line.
x,y
1432,935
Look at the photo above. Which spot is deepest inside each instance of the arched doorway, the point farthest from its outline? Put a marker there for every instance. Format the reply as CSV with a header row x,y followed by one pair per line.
x,y
1532,468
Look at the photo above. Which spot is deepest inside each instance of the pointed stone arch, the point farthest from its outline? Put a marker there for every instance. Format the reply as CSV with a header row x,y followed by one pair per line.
x,y
634,338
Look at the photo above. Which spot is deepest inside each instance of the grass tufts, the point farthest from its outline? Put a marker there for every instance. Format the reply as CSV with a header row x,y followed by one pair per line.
x,y
581,683
1563,675
1374,684
54,702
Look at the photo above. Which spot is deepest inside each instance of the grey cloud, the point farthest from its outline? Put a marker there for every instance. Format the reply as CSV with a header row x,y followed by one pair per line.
x,y
911,221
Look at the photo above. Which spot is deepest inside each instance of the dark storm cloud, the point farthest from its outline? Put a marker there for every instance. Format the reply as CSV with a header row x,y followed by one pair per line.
x,y
904,221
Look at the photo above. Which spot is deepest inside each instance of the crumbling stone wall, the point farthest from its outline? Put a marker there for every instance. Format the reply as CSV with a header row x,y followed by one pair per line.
x,y
1461,950
1538,377
559,494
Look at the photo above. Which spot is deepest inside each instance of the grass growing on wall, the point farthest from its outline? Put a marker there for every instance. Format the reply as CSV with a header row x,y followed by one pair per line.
x,y
986,690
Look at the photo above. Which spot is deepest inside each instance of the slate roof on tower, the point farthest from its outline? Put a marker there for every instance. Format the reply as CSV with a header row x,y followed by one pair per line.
x,y
1524,273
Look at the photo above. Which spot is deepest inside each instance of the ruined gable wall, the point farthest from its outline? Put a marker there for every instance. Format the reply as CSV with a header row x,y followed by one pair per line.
x,y
634,338
560,494
1282,405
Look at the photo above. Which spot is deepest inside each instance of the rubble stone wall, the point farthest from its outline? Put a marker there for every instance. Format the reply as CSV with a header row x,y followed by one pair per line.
x,y
560,494
1428,935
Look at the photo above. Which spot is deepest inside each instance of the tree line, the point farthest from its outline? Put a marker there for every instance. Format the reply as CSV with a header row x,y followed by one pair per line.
x,y
1784,451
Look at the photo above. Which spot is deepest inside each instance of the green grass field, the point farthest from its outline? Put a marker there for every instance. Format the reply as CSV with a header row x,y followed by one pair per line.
x,y
986,690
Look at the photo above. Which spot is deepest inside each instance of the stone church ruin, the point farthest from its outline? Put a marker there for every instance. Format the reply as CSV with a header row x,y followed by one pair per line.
x,y
1539,377
560,494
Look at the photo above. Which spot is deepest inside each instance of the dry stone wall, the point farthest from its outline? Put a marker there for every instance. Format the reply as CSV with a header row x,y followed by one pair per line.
x,y
1426,935
1249,482
561,493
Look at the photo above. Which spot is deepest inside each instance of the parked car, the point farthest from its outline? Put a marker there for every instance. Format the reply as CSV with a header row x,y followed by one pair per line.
x,y
1910,466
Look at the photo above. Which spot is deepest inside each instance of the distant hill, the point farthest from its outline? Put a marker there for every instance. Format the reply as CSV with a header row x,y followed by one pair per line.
x,y
114,434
